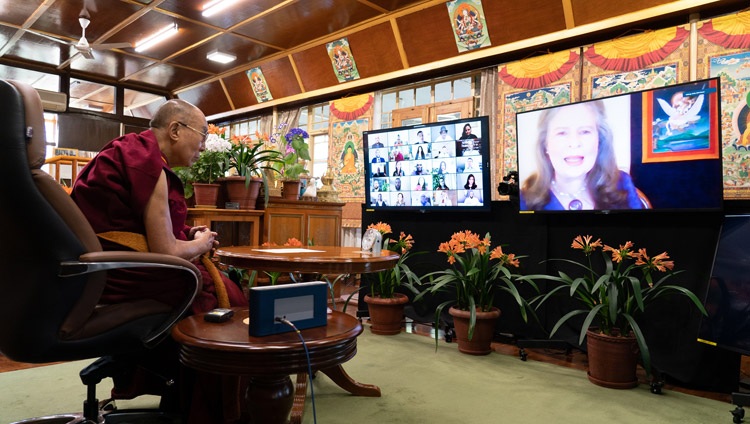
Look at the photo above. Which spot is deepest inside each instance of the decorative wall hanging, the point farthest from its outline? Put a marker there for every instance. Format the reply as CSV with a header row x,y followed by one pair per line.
x,y
342,60
724,43
345,159
258,82
350,108
469,26
529,84
637,62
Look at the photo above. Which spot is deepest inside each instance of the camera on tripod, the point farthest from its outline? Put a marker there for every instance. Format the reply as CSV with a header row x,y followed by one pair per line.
x,y
509,185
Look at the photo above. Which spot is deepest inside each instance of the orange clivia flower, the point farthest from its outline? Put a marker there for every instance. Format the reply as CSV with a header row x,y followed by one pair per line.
x,y
293,242
213,129
624,252
584,243
658,262
382,228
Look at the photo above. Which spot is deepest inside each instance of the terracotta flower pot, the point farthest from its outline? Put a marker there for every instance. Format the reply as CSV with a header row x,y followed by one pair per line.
x,y
290,189
237,191
481,341
206,195
386,314
612,360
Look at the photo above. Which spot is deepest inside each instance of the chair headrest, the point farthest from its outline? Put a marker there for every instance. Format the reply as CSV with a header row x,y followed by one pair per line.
x,y
36,139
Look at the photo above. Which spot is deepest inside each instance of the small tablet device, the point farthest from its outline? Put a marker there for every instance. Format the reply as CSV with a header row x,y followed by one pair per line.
x,y
218,315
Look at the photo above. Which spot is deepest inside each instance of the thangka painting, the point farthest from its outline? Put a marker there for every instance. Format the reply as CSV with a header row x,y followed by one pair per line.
x,y
346,159
724,43
342,60
469,25
634,63
258,82
529,84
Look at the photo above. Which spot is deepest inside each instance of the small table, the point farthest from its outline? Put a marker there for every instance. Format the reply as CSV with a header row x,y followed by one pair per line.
x,y
318,260
228,349
313,259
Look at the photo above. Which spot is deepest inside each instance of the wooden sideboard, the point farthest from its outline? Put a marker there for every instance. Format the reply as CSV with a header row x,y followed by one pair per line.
x,y
319,222
206,216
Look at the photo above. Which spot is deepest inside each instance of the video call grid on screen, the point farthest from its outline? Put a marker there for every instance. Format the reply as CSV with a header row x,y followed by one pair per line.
x,y
425,166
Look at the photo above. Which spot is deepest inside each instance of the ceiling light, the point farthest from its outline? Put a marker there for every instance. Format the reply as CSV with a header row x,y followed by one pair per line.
x,y
156,37
215,6
220,57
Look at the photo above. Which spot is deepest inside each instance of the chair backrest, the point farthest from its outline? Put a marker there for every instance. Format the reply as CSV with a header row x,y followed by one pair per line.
x,y
41,227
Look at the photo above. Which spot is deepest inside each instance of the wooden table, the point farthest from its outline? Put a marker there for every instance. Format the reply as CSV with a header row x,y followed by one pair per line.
x,y
315,259
205,216
269,360
228,349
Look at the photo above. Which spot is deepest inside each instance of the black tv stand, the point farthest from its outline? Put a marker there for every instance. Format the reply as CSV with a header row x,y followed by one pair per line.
x,y
740,400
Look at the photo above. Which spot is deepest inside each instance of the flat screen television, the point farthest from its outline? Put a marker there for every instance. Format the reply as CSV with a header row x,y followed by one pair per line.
x,y
727,300
654,150
441,166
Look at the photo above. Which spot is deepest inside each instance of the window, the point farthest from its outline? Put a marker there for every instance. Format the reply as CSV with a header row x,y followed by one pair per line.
x,y
424,94
245,127
315,119
91,96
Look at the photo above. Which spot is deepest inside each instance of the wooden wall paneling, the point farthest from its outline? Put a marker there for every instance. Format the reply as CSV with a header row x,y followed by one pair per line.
x,y
280,78
174,76
427,35
375,50
318,70
586,11
210,98
240,91
510,20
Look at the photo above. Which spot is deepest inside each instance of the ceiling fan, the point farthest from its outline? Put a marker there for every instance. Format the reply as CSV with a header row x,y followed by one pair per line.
x,y
82,46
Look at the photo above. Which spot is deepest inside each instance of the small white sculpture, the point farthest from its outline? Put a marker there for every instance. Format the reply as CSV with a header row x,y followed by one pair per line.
x,y
310,188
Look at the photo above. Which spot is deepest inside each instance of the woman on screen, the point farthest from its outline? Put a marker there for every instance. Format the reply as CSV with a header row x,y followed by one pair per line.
x,y
421,184
577,168
470,182
398,171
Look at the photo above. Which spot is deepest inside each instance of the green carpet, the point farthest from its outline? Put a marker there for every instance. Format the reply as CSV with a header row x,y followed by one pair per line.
x,y
419,385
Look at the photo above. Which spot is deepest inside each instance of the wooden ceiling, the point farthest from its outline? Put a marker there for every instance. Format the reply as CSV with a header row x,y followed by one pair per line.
x,y
390,40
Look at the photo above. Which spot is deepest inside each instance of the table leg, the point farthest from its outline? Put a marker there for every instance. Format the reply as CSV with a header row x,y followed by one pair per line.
x,y
342,379
269,399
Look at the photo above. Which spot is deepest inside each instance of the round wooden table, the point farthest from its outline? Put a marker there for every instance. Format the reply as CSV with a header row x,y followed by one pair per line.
x,y
228,349
307,260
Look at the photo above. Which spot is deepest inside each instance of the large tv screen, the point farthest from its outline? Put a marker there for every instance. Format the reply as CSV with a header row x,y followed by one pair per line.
x,y
658,149
728,296
442,166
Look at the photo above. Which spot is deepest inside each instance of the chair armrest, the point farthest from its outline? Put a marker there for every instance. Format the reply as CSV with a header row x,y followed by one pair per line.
x,y
107,260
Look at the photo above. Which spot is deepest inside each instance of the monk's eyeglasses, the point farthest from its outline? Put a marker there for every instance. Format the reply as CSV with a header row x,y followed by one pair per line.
x,y
204,134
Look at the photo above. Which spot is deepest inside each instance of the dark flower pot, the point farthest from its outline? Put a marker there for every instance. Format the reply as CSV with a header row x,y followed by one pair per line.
x,y
484,330
612,360
386,314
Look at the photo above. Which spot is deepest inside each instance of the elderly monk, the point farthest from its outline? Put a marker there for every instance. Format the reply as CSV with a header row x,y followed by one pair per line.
x,y
132,198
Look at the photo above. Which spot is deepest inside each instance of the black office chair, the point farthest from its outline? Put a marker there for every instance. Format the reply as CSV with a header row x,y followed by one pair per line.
x,y
54,270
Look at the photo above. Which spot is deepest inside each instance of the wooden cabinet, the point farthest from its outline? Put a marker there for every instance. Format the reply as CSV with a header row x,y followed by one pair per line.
x,y
319,222
242,219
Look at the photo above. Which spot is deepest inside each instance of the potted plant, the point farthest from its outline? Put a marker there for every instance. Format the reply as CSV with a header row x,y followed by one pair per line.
x,y
200,178
249,158
296,150
476,275
385,303
611,295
